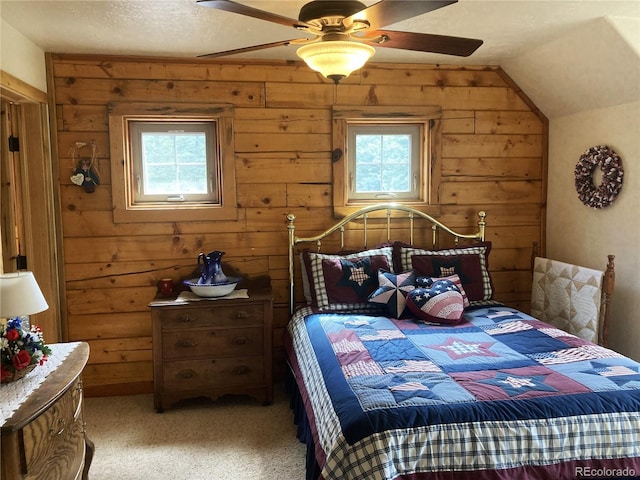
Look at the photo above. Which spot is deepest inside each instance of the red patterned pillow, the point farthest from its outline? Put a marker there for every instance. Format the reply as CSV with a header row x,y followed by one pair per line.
x,y
470,263
440,303
344,282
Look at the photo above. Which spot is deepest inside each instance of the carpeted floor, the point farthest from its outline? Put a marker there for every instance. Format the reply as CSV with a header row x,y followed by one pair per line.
x,y
231,438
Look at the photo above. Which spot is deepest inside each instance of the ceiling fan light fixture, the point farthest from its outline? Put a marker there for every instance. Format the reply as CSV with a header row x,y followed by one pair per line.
x,y
336,59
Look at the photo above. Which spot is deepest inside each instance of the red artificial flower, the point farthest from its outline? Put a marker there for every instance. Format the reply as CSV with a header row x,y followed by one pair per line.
x,y
12,335
4,373
21,360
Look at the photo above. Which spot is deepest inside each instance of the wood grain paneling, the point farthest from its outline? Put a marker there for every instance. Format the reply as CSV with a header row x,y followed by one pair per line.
x,y
491,156
301,167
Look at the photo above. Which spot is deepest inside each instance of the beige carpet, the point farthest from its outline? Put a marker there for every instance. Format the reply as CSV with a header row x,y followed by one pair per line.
x,y
232,438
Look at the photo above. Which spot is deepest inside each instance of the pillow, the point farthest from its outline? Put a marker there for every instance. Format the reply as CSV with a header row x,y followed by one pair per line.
x,y
428,281
470,263
439,303
344,282
392,291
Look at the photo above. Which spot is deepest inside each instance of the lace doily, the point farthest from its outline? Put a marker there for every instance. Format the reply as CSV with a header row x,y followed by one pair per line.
x,y
187,296
14,394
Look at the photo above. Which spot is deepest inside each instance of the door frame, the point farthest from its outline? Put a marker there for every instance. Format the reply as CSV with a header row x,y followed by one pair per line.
x,y
34,187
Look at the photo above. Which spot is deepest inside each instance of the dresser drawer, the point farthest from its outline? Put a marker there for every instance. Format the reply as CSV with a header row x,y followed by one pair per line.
x,y
54,442
200,374
220,315
214,341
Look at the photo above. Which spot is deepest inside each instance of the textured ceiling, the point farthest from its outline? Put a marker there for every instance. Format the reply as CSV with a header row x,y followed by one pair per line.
x,y
512,30
184,29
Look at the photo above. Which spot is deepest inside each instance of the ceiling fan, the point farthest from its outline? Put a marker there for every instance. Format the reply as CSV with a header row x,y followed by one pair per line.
x,y
345,31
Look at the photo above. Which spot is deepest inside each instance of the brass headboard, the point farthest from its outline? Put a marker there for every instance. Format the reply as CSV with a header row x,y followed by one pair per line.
x,y
363,213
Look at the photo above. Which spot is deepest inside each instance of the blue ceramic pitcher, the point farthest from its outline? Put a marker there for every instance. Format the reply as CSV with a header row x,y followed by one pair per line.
x,y
211,269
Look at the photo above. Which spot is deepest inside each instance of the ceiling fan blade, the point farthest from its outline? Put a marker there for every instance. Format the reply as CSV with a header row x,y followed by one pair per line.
x,y
254,48
421,42
230,6
388,12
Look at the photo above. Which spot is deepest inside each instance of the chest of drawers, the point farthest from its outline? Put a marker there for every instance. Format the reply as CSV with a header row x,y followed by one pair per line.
x,y
45,437
212,348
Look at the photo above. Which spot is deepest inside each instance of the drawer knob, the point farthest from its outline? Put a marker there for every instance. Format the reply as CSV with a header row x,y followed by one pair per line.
x,y
185,343
240,341
60,428
185,319
187,374
242,314
241,370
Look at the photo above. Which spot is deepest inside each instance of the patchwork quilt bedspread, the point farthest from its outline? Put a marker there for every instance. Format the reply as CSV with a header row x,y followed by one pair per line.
x,y
500,395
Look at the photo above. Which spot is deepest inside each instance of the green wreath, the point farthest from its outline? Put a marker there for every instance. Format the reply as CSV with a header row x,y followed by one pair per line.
x,y
610,164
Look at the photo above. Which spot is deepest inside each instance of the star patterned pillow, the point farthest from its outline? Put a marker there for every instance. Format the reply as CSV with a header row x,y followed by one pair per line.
x,y
357,276
469,262
392,291
344,282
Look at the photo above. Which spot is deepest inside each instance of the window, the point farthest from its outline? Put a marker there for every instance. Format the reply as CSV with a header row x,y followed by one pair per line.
x,y
173,161
384,161
174,166
384,154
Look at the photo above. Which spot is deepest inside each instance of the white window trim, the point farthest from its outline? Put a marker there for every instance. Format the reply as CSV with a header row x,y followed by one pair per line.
x,y
125,210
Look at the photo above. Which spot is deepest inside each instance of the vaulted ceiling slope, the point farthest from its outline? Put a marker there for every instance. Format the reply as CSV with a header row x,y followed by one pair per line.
x,y
567,55
595,65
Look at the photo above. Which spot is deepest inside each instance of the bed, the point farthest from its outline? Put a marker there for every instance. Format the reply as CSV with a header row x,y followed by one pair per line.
x,y
403,366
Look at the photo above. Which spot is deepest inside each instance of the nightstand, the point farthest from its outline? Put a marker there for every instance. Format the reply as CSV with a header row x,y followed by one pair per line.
x,y
213,347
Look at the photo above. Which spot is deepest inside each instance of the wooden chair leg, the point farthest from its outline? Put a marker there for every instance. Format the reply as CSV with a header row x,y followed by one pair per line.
x,y
608,284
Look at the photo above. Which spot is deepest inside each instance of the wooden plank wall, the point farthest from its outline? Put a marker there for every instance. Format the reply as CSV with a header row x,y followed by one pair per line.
x,y
493,142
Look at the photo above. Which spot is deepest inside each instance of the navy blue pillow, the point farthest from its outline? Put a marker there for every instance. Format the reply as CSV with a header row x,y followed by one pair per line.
x,y
392,291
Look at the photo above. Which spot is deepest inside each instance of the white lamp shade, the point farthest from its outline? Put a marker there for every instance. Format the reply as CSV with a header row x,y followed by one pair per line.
x,y
335,59
20,295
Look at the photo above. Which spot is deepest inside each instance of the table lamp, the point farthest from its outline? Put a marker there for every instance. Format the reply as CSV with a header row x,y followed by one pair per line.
x,y
20,296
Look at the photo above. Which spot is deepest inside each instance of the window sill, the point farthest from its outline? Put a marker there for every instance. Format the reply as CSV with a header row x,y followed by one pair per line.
x,y
200,213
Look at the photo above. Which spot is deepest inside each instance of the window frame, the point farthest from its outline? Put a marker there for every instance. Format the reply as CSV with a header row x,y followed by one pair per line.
x,y
137,127
417,132
429,117
125,209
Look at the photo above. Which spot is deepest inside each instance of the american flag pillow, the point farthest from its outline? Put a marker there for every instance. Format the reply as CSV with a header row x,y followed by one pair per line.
x,y
442,302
